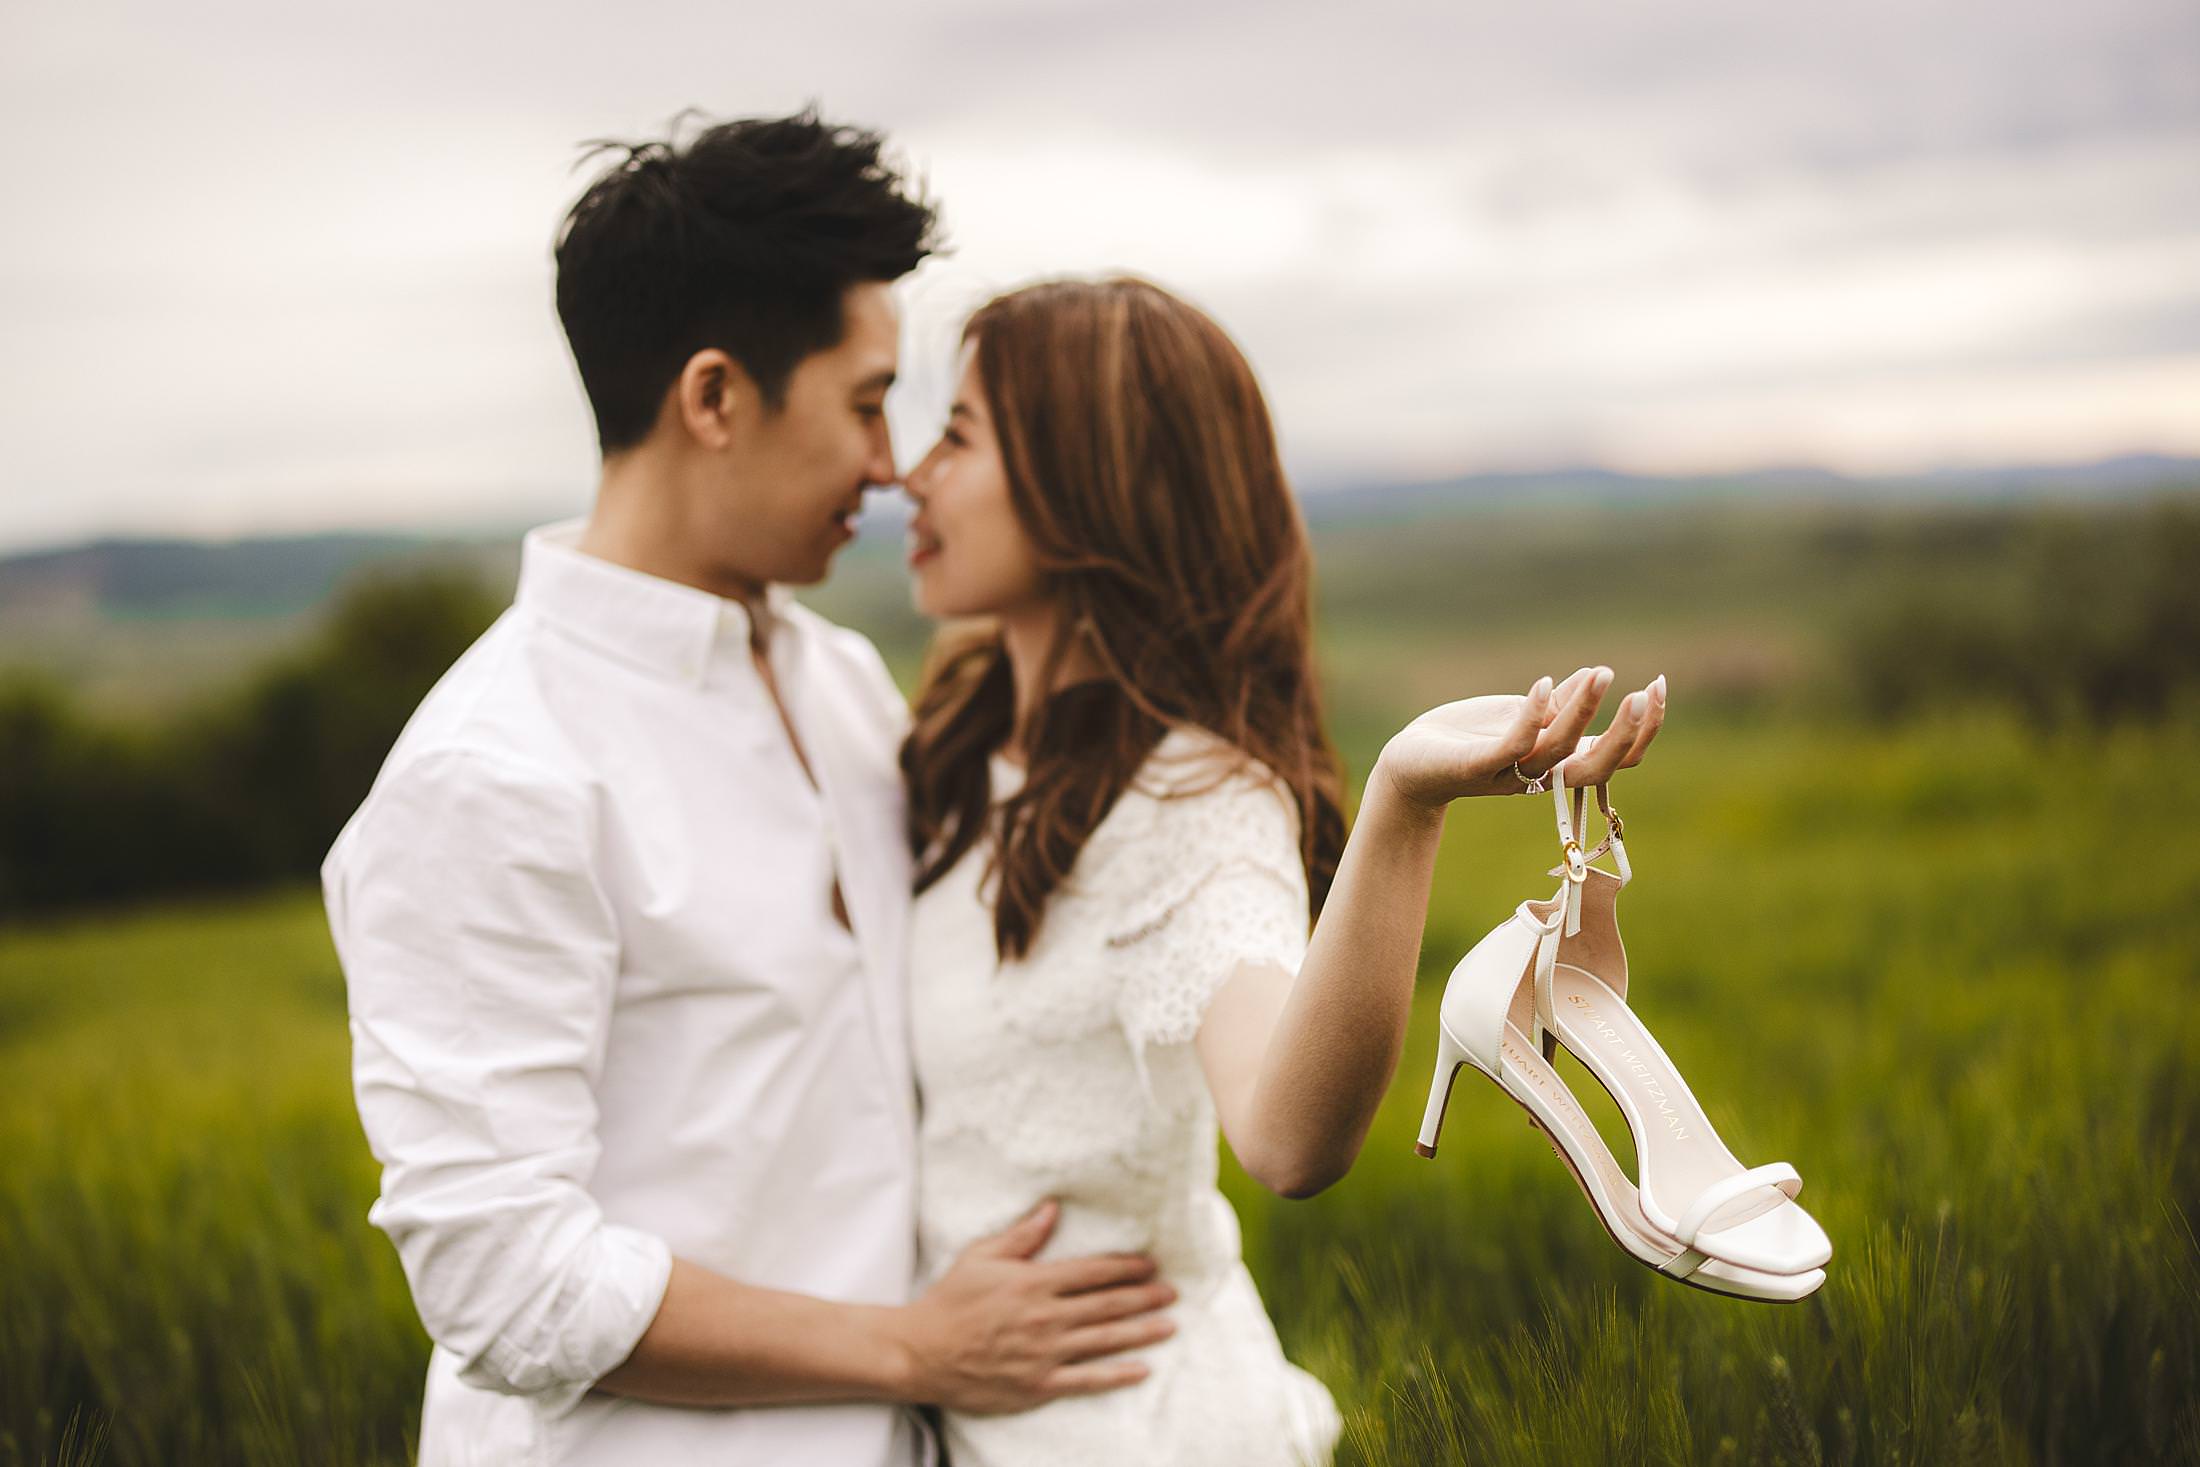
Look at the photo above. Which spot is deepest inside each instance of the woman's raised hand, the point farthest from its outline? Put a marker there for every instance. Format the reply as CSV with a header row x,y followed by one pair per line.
x,y
1470,747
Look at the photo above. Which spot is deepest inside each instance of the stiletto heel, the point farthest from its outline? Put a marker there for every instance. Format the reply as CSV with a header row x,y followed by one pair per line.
x,y
1449,1057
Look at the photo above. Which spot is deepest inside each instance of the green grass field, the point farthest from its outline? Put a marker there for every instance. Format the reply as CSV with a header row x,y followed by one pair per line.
x,y
1949,972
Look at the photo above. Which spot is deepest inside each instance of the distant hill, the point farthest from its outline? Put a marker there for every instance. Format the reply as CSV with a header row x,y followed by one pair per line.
x,y
2129,476
252,579
241,579
131,622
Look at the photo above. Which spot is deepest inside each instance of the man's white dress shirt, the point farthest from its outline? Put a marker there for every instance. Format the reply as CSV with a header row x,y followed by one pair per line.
x,y
603,1013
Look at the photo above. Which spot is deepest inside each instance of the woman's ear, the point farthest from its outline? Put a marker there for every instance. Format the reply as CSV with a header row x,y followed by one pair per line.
x,y
713,397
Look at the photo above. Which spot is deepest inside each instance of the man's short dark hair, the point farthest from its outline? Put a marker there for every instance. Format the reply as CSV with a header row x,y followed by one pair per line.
x,y
744,239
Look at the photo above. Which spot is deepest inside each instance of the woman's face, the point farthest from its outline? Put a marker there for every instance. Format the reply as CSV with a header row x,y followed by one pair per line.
x,y
968,553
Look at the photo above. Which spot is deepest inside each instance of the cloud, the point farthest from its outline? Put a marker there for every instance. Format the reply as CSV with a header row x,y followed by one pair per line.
x,y
271,264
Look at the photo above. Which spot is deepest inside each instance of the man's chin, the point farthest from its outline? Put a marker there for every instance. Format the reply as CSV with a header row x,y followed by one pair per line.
x,y
809,573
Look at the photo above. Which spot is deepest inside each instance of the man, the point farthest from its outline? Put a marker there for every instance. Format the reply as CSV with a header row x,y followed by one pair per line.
x,y
622,917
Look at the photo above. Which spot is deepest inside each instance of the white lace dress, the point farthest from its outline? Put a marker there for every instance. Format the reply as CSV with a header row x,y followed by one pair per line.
x,y
1071,1074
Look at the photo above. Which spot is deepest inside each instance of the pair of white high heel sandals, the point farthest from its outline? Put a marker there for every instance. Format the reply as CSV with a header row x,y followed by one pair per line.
x,y
1555,973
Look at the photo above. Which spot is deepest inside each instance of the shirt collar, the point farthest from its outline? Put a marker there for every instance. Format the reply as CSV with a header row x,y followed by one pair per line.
x,y
660,626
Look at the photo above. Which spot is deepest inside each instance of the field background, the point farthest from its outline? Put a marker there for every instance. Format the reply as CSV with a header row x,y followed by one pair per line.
x,y
1917,909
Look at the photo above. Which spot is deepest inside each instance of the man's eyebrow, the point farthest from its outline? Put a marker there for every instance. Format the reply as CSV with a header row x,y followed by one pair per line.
x,y
879,381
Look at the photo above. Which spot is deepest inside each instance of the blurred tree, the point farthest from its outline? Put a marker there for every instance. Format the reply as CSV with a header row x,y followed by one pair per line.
x,y
92,813
2088,617
295,750
246,787
2087,614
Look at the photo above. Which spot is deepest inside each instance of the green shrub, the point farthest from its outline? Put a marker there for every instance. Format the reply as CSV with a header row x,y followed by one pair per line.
x,y
245,786
2084,617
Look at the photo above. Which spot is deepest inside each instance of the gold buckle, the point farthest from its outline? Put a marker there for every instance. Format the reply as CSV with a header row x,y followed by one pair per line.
x,y
1577,865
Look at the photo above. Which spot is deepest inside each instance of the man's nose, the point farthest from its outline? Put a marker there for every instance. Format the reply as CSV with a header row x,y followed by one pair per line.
x,y
881,469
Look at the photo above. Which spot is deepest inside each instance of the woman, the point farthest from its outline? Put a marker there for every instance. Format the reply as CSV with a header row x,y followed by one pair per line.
x,y
1125,811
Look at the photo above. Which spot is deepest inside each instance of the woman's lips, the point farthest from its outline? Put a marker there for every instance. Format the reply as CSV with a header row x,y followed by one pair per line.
x,y
923,544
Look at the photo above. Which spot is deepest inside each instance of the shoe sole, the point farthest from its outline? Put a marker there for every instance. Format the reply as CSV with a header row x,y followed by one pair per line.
x,y
1535,1123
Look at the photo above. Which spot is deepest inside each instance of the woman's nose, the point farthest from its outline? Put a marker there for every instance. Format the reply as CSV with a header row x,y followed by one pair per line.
x,y
914,482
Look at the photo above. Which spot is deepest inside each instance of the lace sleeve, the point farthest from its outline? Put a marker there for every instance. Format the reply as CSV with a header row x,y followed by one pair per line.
x,y
1217,881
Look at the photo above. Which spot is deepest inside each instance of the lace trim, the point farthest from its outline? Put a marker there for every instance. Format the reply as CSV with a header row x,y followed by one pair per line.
x,y
1186,877
1206,882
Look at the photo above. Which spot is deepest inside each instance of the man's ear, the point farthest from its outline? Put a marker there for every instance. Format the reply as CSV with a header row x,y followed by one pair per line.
x,y
714,397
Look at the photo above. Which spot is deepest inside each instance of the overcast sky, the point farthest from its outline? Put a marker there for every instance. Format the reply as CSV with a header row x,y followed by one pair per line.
x,y
274,266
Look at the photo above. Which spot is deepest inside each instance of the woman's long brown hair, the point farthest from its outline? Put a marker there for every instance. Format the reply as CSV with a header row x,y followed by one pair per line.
x,y
1142,464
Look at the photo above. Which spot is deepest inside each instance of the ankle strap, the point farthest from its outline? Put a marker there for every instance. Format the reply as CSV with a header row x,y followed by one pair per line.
x,y
1573,861
1613,827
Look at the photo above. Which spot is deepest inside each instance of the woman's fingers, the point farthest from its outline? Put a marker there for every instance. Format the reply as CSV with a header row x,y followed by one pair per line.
x,y
1646,715
1471,747
1570,689
1622,745
1573,680
1572,719
1535,716
1609,749
1653,720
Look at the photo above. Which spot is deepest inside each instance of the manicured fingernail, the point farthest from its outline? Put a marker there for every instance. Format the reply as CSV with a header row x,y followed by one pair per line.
x,y
1657,689
1541,689
1602,680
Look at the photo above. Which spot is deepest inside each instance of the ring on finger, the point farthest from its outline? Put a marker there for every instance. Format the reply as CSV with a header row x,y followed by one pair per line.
x,y
1535,786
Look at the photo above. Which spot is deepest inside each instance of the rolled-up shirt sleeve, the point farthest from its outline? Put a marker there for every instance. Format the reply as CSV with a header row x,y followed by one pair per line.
x,y
481,954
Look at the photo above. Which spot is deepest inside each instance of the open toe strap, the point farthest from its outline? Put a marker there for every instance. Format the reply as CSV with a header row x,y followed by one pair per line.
x,y
1774,1174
